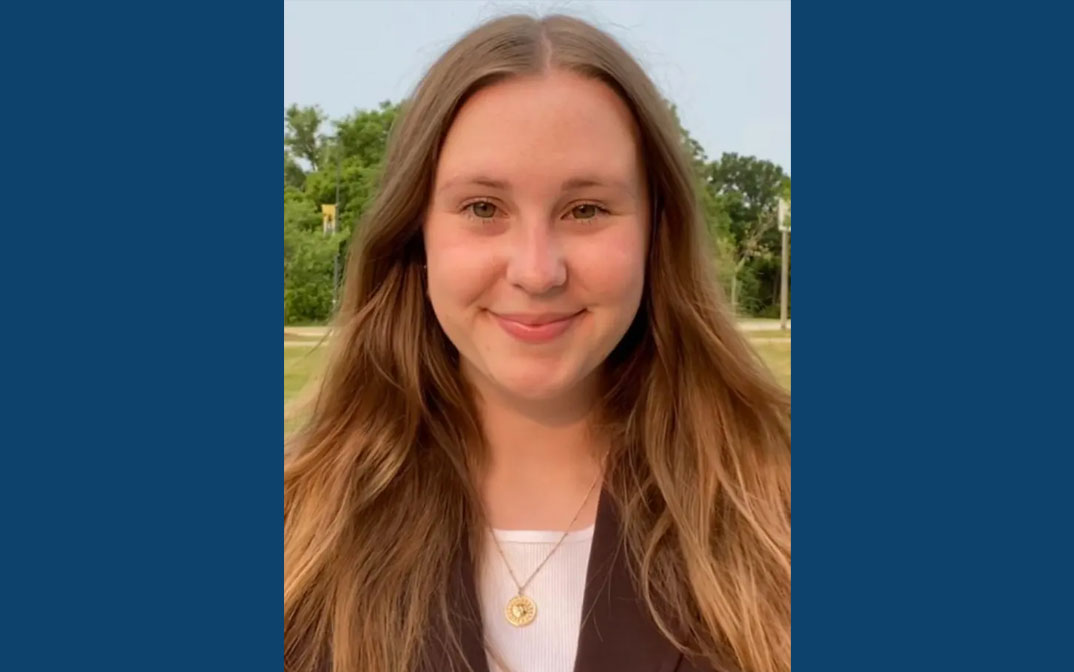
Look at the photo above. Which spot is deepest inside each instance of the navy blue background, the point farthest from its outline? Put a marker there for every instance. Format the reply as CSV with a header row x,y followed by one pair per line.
x,y
141,337
932,152
141,357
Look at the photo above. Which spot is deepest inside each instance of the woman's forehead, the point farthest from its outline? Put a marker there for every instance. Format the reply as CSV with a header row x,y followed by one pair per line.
x,y
572,127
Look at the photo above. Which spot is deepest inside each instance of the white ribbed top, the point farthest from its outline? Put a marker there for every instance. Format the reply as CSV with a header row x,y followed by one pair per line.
x,y
550,642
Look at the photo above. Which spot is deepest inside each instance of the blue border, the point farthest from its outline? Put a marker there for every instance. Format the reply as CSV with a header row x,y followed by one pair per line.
x,y
142,334
932,514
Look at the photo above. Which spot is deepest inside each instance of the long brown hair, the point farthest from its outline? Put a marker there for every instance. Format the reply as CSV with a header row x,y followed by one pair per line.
x,y
379,488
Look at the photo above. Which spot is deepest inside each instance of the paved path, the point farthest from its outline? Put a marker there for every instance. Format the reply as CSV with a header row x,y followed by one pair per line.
x,y
762,325
307,331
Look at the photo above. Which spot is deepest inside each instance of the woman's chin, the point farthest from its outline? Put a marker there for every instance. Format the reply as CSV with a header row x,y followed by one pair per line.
x,y
550,379
536,385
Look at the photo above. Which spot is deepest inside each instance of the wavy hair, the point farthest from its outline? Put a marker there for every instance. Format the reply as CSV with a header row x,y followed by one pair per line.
x,y
379,487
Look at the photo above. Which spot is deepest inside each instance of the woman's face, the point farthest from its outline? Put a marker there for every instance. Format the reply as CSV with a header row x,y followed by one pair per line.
x,y
536,233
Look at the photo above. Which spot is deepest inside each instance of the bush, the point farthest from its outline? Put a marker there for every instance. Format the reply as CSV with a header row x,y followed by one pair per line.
x,y
308,277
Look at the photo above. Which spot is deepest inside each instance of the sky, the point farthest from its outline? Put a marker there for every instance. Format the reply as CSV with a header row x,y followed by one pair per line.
x,y
726,65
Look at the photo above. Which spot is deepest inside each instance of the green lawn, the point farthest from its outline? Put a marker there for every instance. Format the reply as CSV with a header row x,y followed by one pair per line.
x,y
299,363
778,357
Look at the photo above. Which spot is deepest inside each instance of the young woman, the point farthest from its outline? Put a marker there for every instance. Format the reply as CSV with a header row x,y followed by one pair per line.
x,y
540,443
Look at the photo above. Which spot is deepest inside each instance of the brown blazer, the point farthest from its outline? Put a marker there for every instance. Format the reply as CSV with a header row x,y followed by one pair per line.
x,y
617,633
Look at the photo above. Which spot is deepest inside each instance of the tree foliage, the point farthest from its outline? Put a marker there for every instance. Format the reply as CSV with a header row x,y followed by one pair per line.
x,y
749,189
318,165
300,136
739,200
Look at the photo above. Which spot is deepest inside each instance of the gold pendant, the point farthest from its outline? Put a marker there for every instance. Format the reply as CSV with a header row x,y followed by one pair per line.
x,y
520,611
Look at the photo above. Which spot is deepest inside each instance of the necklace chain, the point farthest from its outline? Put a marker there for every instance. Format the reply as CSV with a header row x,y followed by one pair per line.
x,y
522,586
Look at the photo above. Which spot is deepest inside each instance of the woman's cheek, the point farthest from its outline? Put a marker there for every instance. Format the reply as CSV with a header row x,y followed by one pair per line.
x,y
464,270
612,268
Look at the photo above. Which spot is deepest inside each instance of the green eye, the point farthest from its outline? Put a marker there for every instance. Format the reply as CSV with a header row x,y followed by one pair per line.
x,y
585,211
483,209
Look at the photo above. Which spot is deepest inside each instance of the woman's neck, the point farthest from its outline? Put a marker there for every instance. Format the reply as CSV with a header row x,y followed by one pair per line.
x,y
539,481
542,460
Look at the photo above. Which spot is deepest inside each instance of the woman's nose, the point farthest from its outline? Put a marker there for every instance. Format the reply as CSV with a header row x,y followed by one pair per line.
x,y
535,262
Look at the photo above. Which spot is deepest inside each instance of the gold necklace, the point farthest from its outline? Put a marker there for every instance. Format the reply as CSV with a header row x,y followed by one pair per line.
x,y
521,610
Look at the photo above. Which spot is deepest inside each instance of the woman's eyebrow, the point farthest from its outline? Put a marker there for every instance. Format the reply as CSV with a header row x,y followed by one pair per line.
x,y
570,184
594,181
478,180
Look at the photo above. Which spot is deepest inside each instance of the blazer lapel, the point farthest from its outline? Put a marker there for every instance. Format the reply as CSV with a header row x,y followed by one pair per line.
x,y
617,632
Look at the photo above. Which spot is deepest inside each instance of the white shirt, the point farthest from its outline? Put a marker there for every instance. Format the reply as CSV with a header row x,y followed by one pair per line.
x,y
550,642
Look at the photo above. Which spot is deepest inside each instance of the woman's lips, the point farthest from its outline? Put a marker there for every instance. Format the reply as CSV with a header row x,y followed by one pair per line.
x,y
536,328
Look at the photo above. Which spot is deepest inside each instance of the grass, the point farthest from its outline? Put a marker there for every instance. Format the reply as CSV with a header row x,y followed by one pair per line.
x,y
778,357
300,363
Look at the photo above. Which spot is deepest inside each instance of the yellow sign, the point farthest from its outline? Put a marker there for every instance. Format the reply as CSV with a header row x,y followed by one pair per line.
x,y
328,217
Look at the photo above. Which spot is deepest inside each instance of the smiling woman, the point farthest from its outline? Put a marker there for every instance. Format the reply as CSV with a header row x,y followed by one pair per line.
x,y
541,444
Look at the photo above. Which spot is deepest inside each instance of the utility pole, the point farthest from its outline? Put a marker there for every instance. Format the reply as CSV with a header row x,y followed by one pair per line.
x,y
785,232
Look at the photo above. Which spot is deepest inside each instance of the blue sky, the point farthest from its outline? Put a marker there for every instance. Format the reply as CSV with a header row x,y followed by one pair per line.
x,y
727,65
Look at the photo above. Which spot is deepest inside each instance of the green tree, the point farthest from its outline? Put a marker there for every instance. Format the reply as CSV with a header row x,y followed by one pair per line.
x,y
308,277
712,209
364,134
293,175
350,160
301,133
308,257
748,189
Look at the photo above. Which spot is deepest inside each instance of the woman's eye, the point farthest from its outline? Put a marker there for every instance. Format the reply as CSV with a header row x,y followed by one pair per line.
x,y
585,211
483,209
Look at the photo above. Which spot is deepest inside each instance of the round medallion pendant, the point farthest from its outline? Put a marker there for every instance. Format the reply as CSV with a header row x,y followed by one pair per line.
x,y
520,611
